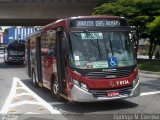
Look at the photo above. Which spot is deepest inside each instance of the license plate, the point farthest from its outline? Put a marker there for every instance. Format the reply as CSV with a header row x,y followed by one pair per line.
x,y
113,93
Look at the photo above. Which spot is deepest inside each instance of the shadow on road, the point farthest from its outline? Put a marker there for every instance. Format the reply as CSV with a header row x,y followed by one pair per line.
x,y
77,107
96,106
4,65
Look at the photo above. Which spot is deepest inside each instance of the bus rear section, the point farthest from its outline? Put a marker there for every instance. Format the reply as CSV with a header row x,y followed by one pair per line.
x,y
85,59
15,51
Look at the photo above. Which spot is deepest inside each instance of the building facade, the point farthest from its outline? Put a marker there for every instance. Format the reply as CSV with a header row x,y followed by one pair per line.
x,y
18,33
1,36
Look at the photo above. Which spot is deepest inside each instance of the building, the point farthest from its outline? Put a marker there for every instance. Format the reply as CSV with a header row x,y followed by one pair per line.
x,y
1,36
18,33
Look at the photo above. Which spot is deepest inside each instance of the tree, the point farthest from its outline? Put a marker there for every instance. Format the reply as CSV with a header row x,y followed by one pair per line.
x,y
138,12
154,29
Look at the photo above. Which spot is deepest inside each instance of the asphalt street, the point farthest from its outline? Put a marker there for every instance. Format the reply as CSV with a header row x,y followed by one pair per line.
x,y
146,103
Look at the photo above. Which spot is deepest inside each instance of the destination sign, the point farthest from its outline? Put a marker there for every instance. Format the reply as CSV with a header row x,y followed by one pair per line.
x,y
99,23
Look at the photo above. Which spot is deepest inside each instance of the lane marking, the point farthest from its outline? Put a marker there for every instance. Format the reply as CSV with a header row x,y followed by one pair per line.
x,y
12,94
41,102
22,94
9,98
39,99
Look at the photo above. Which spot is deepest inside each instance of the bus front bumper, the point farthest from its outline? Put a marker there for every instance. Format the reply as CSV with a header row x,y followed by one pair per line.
x,y
80,95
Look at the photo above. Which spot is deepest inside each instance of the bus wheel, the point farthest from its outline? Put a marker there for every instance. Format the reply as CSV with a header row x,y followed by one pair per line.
x,y
34,82
55,87
55,90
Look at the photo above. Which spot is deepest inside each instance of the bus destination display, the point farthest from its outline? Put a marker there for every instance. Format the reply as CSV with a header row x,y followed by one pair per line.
x,y
98,23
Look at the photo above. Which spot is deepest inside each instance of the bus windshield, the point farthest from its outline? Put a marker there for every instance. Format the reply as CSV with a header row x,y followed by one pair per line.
x,y
94,49
16,48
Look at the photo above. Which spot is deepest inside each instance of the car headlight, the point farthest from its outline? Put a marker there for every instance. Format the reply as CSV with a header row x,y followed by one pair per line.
x,y
135,81
80,84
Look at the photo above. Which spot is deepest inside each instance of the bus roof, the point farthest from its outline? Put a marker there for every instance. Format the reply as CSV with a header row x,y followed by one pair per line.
x,y
62,22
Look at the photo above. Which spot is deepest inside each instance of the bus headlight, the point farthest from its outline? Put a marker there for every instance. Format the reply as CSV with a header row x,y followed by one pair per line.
x,y
135,81
80,85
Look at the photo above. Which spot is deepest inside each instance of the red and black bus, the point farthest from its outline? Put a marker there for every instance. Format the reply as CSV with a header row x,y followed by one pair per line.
x,y
85,59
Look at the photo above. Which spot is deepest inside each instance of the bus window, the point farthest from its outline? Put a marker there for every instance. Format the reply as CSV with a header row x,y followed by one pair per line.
x,y
48,43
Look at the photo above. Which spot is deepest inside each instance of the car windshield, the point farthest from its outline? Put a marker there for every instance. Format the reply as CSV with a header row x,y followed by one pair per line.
x,y
100,50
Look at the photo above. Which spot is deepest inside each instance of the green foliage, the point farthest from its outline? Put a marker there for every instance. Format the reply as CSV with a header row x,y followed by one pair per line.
x,y
140,14
153,66
148,7
154,26
139,11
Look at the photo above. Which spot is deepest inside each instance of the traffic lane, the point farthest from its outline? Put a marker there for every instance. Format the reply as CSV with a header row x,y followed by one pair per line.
x,y
147,85
149,82
130,105
141,104
7,72
107,110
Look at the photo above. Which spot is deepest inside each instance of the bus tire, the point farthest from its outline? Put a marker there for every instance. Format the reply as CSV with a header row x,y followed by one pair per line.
x,y
55,89
34,82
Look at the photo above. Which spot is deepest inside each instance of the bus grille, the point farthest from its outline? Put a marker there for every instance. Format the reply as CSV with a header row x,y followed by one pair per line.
x,y
103,93
110,74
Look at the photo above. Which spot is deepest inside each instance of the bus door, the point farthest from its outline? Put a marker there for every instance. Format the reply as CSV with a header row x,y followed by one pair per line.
x,y
48,44
38,59
60,56
27,58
